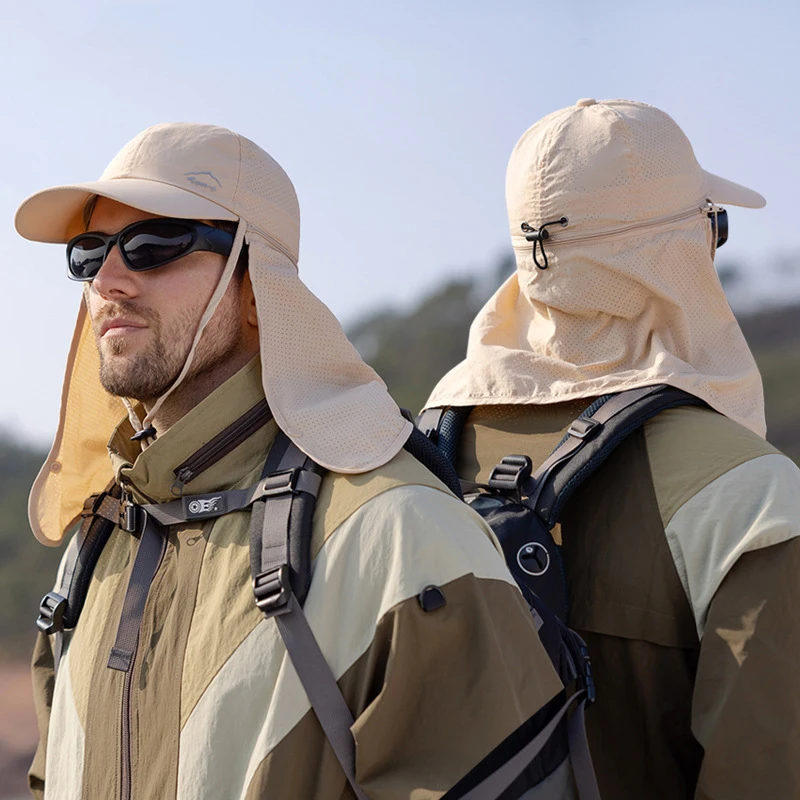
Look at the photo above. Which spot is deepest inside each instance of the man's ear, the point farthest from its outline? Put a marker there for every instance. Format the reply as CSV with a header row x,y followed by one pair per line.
x,y
249,301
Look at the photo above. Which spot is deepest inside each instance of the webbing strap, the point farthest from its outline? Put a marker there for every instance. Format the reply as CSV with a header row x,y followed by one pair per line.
x,y
58,650
492,787
216,504
580,757
320,685
148,557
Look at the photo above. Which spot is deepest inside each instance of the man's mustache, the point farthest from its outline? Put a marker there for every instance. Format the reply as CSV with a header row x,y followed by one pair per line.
x,y
128,310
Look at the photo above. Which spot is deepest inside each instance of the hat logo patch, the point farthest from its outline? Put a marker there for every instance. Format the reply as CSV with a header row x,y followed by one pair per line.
x,y
203,179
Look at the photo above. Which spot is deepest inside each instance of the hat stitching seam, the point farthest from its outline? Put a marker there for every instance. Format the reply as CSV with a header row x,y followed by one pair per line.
x,y
174,186
234,196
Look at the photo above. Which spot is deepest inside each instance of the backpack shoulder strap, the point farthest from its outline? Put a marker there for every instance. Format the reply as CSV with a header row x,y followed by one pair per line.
x,y
443,427
591,439
431,457
61,608
280,561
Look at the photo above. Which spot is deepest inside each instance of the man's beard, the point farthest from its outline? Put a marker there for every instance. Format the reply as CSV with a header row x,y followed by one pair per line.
x,y
147,374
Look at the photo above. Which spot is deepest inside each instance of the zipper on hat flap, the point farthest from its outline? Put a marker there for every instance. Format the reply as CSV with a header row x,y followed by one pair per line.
x,y
627,229
226,441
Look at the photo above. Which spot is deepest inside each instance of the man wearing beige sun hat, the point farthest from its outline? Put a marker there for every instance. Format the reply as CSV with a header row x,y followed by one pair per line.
x,y
681,551
198,353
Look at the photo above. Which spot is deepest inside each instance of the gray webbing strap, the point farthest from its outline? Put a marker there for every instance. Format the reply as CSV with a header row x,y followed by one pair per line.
x,y
58,649
580,757
320,684
492,787
148,557
215,504
275,530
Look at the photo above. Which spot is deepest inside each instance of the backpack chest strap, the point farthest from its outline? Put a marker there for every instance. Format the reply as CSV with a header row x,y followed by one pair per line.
x,y
215,504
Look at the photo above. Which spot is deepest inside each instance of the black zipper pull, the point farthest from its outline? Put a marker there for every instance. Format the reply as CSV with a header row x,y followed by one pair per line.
x,y
182,477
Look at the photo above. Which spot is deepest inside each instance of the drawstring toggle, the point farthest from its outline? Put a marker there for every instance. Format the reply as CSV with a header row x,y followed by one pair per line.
x,y
539,235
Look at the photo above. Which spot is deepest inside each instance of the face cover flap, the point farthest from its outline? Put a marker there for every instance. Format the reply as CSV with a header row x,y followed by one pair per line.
x,y
78,464
331,404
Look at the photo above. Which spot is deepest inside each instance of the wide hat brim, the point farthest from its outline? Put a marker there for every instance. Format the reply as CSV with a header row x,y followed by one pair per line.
x,y
725,192
55,215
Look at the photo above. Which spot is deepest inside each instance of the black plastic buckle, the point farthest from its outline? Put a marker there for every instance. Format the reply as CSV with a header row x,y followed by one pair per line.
x,y
51,613
273,591
510,474
584,427
280,483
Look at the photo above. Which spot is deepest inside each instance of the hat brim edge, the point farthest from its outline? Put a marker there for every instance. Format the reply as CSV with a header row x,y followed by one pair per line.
x,y
725,192
48,215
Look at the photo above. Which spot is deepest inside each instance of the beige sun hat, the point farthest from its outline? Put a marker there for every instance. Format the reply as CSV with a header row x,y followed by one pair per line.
x,y
326,399
629,296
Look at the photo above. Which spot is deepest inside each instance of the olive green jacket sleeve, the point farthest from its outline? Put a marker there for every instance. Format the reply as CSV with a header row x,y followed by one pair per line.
x,y
737,550
746,709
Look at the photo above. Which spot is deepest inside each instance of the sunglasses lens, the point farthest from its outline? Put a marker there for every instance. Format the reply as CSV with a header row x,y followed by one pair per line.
x,y
155,243
86,257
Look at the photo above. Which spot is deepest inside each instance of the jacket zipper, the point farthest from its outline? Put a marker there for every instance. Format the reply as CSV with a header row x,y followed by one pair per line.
x,y
652,223
125,761
223,443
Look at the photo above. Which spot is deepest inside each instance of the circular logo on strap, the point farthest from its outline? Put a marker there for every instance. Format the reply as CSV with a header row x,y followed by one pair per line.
x,y
533,559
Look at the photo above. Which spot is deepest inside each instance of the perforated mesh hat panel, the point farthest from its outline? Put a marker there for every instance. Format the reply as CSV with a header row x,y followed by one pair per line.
x,y
630,297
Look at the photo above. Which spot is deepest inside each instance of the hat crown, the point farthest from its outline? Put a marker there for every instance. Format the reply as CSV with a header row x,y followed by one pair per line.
x,y
219,165
603,165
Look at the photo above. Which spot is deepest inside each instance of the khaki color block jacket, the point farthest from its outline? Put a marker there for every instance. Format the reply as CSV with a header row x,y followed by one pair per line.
x,y
683,561
215,709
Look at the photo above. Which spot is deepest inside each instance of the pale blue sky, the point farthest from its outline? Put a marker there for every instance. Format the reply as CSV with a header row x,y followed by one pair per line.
x,y
395,122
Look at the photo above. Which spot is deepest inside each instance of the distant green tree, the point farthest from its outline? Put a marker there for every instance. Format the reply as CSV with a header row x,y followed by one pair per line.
x,y
27,569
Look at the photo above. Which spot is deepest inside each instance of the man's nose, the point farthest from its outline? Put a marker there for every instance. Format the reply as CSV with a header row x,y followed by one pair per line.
x,y
114,279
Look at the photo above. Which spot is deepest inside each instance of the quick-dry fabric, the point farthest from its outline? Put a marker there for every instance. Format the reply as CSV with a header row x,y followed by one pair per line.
x,y
630,297
329,402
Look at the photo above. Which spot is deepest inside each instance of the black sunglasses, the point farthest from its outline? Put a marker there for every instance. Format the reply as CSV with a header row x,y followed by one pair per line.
x,y
719,226
144,245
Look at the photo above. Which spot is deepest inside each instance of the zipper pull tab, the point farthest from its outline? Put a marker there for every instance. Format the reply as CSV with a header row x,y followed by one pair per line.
x,y
182,477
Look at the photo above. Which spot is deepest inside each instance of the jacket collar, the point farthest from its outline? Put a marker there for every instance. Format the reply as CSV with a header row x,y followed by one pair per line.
x,y
150,474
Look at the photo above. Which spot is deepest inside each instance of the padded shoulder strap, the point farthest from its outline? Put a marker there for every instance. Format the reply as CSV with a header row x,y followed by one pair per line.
x,y
591,439
61,608
280,525
443,427
432,458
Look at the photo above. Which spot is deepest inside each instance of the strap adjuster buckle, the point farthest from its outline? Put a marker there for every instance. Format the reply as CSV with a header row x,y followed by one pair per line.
x,y
510,474
273,591
279,483
584,427
51,613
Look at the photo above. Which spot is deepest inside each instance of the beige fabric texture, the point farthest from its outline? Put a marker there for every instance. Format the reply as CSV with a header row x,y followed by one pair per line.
x,y
327,400
631,297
